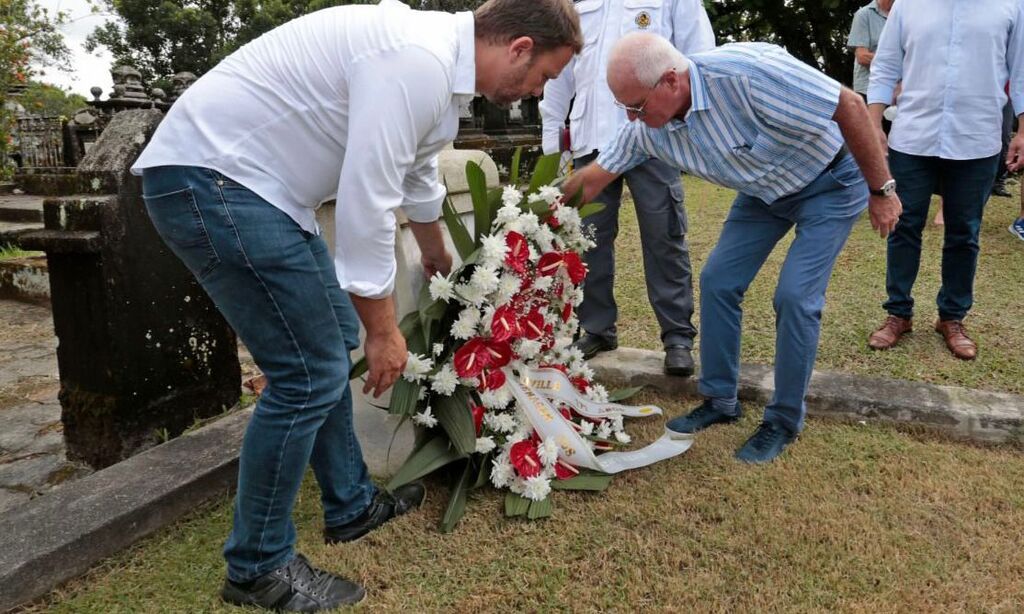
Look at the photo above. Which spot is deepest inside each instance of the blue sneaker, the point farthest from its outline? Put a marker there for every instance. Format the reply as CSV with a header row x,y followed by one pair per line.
x,y
767,442
700,418
1017,228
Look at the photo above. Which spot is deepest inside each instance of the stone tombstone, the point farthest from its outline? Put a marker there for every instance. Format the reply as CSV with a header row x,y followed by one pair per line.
x,y
181,82
143,353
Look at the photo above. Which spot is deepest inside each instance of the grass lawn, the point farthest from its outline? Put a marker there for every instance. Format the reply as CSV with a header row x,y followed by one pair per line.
x,y
851,518
855,297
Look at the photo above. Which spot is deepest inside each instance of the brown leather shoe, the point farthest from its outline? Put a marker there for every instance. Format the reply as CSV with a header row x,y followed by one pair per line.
x,y
953,331
890,333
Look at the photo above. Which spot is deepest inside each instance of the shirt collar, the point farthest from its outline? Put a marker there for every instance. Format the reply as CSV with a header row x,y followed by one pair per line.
x,y
873,5
465,61
698,91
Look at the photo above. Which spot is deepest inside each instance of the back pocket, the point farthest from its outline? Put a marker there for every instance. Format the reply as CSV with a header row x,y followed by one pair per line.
x,y
180,224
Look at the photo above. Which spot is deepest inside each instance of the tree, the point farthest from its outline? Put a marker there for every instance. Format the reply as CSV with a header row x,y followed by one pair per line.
x,y
813,30
50,100
29,34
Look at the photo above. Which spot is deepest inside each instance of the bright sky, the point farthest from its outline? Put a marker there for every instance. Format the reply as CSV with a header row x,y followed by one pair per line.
x,y
88,69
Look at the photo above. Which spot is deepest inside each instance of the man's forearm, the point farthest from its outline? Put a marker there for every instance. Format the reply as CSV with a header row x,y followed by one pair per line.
x,y
428,235
376,314
861,137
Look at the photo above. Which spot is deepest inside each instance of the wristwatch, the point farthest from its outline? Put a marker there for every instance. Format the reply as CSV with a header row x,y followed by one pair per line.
x,y
888,189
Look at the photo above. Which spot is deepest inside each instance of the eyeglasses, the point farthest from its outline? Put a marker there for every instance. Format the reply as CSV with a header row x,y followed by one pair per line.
x,y
638,110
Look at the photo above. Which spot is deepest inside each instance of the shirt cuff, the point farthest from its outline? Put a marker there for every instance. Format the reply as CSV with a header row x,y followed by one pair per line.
x,y
424,211
550,141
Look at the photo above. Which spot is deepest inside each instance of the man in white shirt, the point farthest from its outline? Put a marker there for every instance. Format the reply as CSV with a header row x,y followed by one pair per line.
x,y
954,59
655,186
352,103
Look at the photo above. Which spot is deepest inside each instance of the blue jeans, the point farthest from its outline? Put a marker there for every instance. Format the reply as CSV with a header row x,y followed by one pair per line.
x,y
276,285
824,213
965,189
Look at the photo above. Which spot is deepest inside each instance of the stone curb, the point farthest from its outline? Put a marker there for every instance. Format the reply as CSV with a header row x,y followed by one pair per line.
x,y
976,415
56,537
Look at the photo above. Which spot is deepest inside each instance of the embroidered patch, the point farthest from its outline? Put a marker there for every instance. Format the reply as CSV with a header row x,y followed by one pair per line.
x,y
643,20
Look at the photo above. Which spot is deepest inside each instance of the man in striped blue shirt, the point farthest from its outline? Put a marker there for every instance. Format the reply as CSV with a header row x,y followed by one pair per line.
x,y
751,117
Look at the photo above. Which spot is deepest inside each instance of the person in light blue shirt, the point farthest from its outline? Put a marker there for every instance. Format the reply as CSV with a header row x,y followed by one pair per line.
x,y
751,117
865,31
954,59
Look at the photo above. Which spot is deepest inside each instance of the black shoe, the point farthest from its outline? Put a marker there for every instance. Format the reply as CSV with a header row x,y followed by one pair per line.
x,y
296,587
678,361
700,418
767,442
999,189
591,345
383,508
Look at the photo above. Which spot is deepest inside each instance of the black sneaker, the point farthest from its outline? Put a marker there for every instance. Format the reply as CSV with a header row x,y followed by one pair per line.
x,y
767,442
591,345
678,361
296,587
700,418
999,189
383,508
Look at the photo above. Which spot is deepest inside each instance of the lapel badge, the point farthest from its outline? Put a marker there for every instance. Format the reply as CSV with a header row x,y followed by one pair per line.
x,y
643,20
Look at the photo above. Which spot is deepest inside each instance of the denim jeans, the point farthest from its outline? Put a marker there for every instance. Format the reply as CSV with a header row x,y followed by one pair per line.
x,y
276,285
823,213
965,189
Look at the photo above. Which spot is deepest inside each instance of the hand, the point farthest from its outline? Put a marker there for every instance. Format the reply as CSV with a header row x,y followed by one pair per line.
x,y
385,356
1015,153
437,261
571,185
885,213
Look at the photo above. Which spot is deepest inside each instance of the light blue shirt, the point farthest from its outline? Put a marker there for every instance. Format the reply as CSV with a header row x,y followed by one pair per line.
x,y
760,122
865,32
954,59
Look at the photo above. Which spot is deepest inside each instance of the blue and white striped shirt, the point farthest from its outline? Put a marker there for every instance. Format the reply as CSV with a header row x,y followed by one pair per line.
x,y
760,122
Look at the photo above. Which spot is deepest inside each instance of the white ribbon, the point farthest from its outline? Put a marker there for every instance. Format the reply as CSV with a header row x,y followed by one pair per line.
x,y
554,385
573,448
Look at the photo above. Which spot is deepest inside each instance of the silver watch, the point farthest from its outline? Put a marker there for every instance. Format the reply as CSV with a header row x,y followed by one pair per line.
x,y
888,189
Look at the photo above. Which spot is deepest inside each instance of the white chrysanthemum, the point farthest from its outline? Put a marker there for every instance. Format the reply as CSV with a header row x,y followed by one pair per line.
x,y
604,430
543,284
586,427
616,422
623,437
517,485
484,445
544,237
465,325
485,279
537,488
416,367
550,194
534,198
425,418
574,354
500,423
444,381
583,370
441,288
437,349
507,214
511,197
576,296
548,452
502,472
487,317
534,254
526,224
493,250
422,394
598,393
507,288
496,399
569,218
528,349
471,293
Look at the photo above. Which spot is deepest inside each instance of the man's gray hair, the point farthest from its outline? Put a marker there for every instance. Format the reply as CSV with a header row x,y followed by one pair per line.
x,y
646,57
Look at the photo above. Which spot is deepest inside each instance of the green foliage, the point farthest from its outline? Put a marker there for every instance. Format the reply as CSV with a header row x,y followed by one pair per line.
x,y
50,100
813,30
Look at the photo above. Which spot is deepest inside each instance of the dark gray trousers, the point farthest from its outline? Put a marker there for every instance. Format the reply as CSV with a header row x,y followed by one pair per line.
x,y
658,197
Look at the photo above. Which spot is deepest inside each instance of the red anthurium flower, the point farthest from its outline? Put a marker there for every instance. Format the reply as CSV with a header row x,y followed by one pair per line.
x,y
491,379
533,325
580,383
478,417
562,409
471,358
523,456
549,264
553,221
574,267
564,471
518,251
504,324
500,353
561,368
566,312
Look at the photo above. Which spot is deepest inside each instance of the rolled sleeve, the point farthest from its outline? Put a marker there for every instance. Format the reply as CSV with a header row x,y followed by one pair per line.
x,y
625,150
395,99
423,193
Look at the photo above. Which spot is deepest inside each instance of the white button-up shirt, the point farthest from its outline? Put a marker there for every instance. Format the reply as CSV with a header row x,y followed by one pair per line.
x,y
351,102
954,58
595,119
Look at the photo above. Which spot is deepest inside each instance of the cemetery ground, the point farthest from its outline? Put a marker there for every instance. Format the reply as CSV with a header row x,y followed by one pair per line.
x,y
853,517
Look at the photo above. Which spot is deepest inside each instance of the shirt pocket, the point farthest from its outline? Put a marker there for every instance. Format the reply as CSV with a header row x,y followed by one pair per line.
x,y
586,66
644,16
